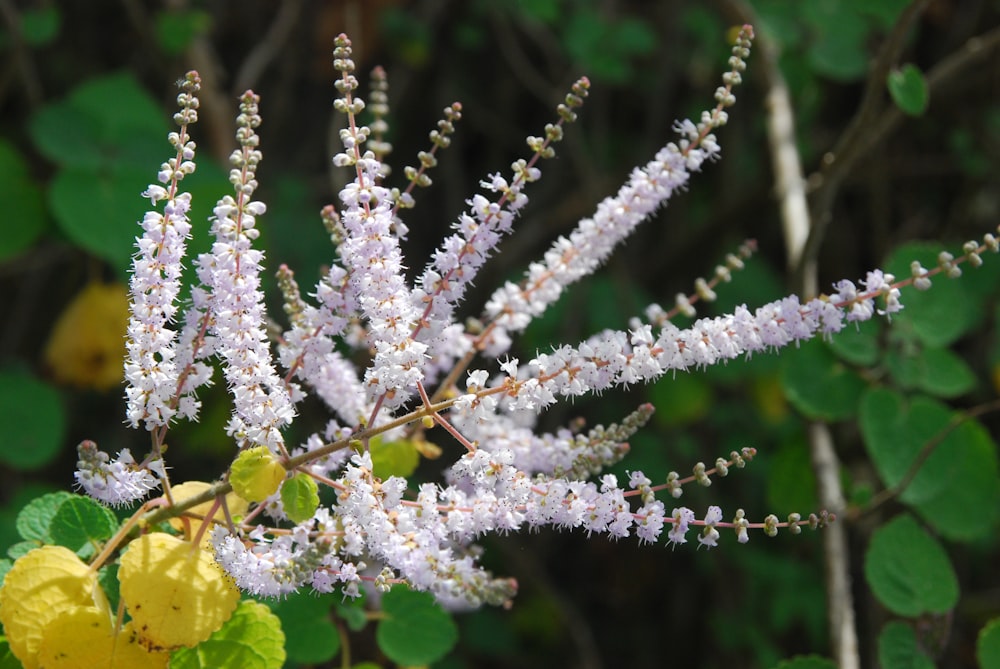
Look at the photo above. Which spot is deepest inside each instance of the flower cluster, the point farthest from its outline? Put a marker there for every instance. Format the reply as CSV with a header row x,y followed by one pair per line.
x,y
382,529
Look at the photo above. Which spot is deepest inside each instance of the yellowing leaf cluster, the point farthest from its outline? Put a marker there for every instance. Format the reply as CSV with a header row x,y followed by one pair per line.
x,y
56,616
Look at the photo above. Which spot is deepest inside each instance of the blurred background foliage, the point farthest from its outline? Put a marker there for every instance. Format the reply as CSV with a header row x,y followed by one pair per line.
x,y
86,93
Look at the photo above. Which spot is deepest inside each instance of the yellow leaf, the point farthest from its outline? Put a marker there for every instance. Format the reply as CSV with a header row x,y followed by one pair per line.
x,y
175,592
83,638
256,474
42,585
237,507
87,344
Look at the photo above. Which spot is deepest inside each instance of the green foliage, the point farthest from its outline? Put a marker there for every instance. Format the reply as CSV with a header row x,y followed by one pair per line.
x,y
988,645
960,471
310,635
898,648
936,371
415,629
175,30
104,137
21,195
300,497
40,26
74,521
908,89
950,309
398,457
807,662
34,519
251,639
80,524
908,571
33,419
818,384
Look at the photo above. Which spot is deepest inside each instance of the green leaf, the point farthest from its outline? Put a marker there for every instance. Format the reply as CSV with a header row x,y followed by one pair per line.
x,y
250,639
40,26
23,198
34,519
20,549
858,345
543,11
791,484
33,419
352,611
988,645
415,630
80,522
908,89
898,648
5,566
175,30
908,570
7,659
99,211
961,472
837,47
807,662
310,636
818,384
681,399
107,576
937,371
393,458
110,121
940,315
300,497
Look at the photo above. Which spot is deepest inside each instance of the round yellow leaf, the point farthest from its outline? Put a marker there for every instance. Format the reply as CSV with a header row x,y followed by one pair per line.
x,y
42,585
87,344
256,474
175,592
83,638
237,507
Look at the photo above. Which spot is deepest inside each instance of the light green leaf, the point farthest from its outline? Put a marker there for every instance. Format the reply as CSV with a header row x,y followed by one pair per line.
x,y
393,458
300,497
908,570
250,639
34,519
81,522
415,630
